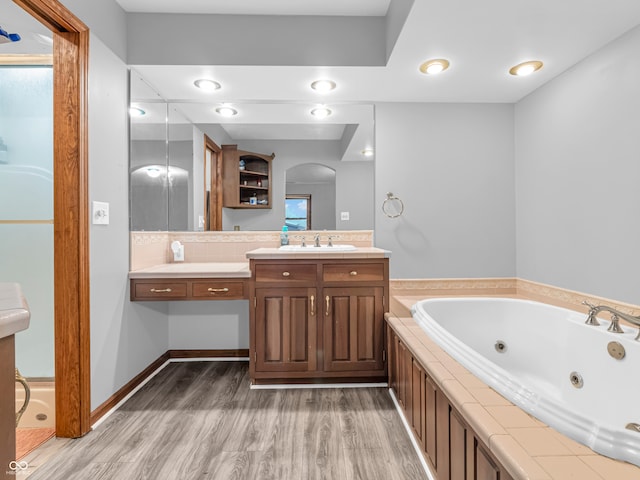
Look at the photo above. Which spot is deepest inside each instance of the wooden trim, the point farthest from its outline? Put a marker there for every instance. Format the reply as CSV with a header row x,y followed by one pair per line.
x,y
239,353
26,59
214,205
114,399
71,214
26,222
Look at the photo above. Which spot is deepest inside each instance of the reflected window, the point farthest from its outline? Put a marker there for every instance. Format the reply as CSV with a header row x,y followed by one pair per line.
x,y
298,212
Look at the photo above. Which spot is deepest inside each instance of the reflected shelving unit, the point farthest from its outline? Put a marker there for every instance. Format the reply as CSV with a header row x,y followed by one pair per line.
x,y
246,181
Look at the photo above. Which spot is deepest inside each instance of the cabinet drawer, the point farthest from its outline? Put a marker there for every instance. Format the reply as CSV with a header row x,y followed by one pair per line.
x,y
218,289
159,290
286,272
353,272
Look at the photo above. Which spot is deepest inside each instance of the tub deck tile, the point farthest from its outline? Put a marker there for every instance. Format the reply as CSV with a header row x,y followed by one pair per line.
x,y
510,416
575,447
439,373
516,459
568,467
481,421
610,469
457,393
539,441
489,397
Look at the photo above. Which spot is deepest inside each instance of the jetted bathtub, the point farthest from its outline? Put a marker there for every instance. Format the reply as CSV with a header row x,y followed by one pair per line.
x,y
548,362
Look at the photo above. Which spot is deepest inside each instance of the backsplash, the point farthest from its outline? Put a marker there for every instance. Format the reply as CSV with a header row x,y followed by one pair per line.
x,y
505,286
153,248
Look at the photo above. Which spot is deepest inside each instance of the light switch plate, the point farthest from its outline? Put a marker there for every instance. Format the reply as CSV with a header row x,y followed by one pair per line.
x,y
100,213
344,215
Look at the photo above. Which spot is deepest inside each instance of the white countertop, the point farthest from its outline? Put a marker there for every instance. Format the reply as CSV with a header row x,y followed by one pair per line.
x,y
194,270
14,311
359,252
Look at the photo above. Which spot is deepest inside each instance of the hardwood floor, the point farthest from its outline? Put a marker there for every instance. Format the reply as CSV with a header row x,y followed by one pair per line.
x,y
200,420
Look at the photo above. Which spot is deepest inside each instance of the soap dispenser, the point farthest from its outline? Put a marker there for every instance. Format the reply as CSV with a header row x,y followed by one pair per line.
x,y
284,236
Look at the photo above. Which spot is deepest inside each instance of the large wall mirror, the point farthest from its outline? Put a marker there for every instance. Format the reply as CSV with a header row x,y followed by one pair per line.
x,y
172,168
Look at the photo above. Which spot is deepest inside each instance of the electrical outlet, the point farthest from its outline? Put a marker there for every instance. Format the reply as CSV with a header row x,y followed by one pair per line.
x,y
344,215
100,213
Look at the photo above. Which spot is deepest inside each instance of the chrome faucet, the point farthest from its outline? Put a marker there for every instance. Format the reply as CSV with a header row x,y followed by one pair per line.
x,y
302,240
616,315
316,240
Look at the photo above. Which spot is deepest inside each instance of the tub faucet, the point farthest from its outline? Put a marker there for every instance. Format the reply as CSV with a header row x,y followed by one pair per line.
x,y
616,315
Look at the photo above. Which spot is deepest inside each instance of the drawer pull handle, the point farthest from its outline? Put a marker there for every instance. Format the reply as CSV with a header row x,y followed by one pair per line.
x,y
159,290
313,305
353,273
217,290
326,301
285,274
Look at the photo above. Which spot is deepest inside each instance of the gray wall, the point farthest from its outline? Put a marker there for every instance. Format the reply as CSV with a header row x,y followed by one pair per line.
x,y
452,166
125,337
577,172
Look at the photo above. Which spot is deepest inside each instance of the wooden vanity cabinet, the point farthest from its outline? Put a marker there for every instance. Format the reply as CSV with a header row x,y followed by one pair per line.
x,y
154,289
449,445
318,320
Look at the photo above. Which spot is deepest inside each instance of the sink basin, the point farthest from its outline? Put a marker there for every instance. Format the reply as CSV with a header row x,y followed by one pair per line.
x,y
320,249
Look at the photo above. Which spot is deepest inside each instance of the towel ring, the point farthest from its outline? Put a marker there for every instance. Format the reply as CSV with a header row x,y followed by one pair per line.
x,y
392,207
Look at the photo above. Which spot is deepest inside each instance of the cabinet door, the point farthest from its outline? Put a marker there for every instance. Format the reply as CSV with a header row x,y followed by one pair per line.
x,y
418,401
285,333
353,329
430,438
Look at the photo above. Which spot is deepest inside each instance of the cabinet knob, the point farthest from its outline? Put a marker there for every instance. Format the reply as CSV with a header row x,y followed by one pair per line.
x,y
163,290
353,273
285,274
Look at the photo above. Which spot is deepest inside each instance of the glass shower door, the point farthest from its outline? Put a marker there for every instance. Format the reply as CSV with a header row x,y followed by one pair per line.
x,y
26,222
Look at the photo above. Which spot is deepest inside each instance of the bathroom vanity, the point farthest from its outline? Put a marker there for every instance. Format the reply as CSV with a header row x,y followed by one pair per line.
x,y
317,317
314,315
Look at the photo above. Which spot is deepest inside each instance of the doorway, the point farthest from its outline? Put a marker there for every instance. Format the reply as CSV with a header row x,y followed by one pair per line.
x,y
70,214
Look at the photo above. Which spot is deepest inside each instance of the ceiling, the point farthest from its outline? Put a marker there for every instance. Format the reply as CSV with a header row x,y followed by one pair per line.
x,y
482,40
261,7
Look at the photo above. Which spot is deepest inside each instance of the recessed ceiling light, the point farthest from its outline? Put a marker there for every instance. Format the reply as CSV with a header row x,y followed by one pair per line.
x,y
321,112
526,68
323,86
207,85
367,152
136,112
226,111
153,171
432,67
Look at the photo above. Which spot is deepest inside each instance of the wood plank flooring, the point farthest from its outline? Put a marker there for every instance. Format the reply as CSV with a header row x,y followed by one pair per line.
x,y
200,420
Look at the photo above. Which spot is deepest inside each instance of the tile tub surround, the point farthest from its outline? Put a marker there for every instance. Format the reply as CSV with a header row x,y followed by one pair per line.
x,y
525,446
406,292
153,248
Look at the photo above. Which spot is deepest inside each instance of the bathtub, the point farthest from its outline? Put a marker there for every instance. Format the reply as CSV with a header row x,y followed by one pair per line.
x,y
545,360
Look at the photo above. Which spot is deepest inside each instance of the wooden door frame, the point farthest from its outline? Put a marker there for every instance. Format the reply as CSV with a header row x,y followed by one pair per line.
x,y
70,214
214,204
